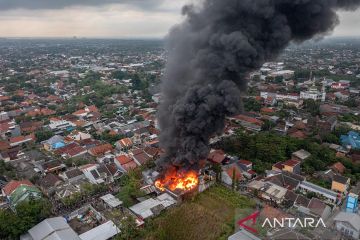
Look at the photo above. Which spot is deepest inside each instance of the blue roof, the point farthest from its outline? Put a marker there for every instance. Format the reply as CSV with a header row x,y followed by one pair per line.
x,y
352,139
58,145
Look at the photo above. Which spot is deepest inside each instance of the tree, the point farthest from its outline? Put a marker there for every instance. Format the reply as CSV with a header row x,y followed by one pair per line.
x,y
267,126
43,135
136,82
128,228
27,215
119,75
312,107
130,189
252,104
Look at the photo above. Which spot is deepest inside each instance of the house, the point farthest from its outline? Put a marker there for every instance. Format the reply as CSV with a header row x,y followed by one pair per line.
x,y
53,143
300,155
105,231
78,136
139,156
4,145
51,228
59,126
124,144
100,150
249,123
112,168
49,183
16,141
290,165
153,206
52,166
286,180
217,156
314,207
88,111
348,224
71,150
125,163
231,173
72,175
245,164
340,184
327,125
329,196
268,191
351,140
19,191
246,167
111,201
338,167
97,174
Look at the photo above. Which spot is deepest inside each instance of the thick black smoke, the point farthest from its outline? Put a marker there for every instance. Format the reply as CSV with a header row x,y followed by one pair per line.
x,y
212,52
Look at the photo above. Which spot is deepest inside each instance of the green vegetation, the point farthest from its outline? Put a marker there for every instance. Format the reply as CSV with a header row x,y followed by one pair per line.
x,y
87,190
7,170
108,137
312,107
349,117
130,188
209,215
264,149
43,135
79,161
250,104
27,215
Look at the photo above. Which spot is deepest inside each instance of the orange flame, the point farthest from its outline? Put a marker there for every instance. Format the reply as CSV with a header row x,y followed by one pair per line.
x,y
178,180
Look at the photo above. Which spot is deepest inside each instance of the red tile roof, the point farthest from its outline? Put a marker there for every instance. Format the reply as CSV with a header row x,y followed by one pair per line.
x,y
12,185
278,165
298,134
125,142
245,162
249,119
101,149
291,162
123,159
19,139
234,170
4,145
129,166
339,167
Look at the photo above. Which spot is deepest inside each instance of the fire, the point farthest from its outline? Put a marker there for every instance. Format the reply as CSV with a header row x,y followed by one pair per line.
x,y
178,180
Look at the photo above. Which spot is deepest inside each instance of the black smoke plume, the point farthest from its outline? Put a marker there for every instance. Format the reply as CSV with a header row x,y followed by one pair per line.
x,y
211,53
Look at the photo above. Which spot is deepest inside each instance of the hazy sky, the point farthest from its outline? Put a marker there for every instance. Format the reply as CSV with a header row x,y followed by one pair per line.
x,y
107,18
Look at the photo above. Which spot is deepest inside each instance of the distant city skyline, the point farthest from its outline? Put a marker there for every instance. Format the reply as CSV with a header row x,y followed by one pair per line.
x,y
108,18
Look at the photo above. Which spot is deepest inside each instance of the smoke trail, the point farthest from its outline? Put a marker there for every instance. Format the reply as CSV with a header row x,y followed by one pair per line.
x,y
212,52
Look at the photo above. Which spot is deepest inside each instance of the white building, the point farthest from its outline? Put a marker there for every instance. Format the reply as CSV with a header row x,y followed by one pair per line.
x,y
60,125
314,94
348,224
153,206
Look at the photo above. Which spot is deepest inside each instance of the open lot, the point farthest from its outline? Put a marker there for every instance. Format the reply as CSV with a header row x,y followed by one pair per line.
x,y
210,215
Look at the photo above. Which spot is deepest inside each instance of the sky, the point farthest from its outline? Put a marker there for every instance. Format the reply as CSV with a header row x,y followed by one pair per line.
x,y
108,18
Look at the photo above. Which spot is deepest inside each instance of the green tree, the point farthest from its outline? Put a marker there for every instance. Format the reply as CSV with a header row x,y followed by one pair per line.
x,y
43,135
128,228
27,215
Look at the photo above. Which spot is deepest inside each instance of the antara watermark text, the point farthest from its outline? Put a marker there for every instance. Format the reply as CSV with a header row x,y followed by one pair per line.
x,y
293,222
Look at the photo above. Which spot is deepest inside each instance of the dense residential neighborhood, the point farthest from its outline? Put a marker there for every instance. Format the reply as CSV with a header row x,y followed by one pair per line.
x,y
80,140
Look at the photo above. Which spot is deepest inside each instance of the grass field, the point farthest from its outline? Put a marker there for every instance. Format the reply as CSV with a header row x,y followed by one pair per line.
x,y
209,216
